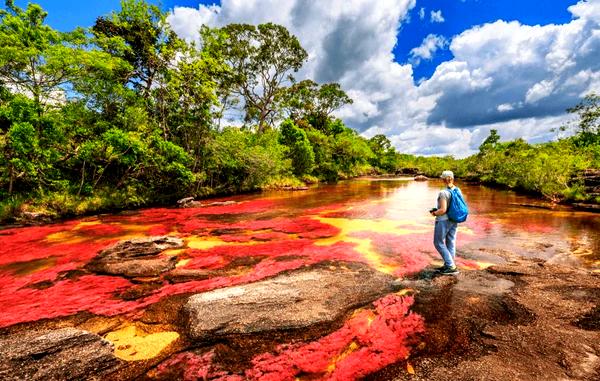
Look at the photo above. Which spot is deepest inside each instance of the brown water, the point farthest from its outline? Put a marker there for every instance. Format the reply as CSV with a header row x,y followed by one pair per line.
x,y
507,221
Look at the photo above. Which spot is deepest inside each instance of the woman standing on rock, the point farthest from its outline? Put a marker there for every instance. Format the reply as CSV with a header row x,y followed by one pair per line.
x,y
444,234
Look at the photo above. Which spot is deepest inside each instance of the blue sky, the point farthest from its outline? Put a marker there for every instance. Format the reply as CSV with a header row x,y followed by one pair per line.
x,y
461,15
433,85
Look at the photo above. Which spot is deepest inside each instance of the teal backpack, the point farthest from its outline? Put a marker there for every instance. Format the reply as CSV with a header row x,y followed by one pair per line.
x,y
457,210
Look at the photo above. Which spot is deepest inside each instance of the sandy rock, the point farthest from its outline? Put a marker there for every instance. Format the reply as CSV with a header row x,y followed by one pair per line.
x,y
295,300
34,218
137,257
421,178
63,354
188,202
185,200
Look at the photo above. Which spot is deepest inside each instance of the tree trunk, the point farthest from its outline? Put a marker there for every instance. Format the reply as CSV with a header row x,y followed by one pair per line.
x,y
11,179
82,178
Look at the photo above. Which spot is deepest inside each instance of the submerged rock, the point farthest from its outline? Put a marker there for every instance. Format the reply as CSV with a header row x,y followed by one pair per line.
x,y
290,301
188,202
137,257
63,354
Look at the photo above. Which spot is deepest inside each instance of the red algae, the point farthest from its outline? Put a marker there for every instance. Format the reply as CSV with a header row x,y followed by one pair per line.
x,y
367,342
242,251
66,297
100,230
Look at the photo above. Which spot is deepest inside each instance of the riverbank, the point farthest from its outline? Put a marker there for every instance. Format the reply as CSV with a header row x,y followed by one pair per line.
x,y
57,207
521,320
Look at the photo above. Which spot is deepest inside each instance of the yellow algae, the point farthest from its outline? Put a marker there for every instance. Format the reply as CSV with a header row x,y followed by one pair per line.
x,y
348,226
87,223
73,236
405,291
182,262
173,252
131,344
66,237
363,245
484,265
353,346
100,324
206,243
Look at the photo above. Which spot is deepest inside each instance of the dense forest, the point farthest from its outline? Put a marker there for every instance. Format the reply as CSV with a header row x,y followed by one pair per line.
x,y
127,114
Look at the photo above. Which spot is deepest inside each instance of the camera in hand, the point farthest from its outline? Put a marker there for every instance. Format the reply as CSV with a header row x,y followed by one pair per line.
x,y
432,210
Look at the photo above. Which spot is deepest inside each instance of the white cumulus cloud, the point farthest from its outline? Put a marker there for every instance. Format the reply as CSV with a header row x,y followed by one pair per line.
x,y
436,16
428,47
513,77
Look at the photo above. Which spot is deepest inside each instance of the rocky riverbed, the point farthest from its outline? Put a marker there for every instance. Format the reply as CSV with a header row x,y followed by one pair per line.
x,y
333,284
521,320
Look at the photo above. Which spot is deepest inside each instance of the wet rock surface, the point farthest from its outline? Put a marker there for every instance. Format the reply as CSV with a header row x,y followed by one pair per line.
x,y
295,300
524,320
62,354
137,257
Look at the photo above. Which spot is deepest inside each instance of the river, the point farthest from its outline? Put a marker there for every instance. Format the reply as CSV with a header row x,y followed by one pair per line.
x,y
382,223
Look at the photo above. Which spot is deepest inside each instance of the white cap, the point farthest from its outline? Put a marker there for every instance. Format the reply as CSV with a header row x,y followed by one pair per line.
x,y
447,174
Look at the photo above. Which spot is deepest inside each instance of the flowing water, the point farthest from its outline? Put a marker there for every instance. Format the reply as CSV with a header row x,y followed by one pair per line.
x,y
383,223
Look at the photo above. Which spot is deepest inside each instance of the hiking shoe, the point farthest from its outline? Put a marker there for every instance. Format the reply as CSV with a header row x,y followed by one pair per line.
x,y
448,270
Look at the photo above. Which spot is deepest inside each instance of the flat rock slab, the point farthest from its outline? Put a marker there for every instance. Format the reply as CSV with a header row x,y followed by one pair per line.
x,y
294,300
137,257
63,354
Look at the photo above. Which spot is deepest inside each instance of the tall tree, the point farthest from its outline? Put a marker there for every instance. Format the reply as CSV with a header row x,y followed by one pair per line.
x,y
310,101
588,127
36,60
139,34
261,59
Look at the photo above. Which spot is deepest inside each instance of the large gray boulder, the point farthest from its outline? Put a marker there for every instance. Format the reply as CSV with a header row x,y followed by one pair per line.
x,y
294,300
137,257
63,354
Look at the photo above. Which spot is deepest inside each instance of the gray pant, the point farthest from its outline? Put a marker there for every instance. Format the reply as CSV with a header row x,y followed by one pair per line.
x,y
444,240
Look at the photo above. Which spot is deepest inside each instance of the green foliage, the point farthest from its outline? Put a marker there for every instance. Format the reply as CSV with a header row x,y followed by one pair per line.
x,y
549,169
351,153
37,60
490,142
300,150
306,100
127,114
588,128
240,160
261,58
384,155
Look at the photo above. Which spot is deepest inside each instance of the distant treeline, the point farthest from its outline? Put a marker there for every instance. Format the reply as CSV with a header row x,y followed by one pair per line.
x,y
126,114
551,169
